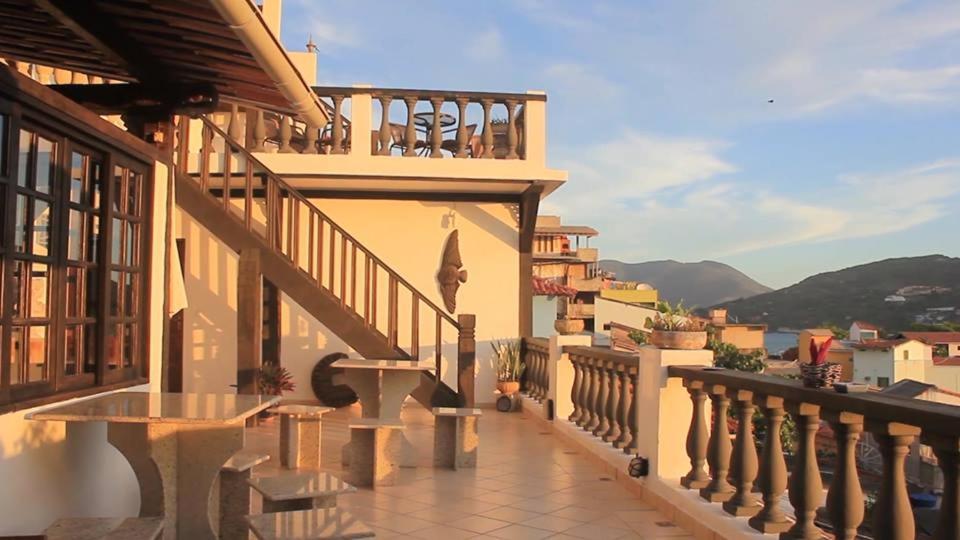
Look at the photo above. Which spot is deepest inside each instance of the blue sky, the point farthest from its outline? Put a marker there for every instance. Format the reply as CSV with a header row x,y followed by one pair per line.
x,y
659,110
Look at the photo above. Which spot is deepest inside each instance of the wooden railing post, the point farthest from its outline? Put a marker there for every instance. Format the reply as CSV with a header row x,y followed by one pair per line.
x,y
718,450
947,450
845,498
806,487
613,405
892,514
697,439
466,359
773,472
743,466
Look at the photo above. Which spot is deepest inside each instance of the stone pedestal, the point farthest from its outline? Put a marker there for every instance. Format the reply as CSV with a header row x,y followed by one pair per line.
x,y
561,373
375,447
305,491
455,438
235,493
663,406
300,435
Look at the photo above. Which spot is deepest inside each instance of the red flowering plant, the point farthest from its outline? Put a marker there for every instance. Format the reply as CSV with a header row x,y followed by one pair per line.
x,y
818,355
274,380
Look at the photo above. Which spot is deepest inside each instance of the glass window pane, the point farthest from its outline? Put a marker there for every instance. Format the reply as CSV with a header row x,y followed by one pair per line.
x,y
23,163
129,344
37,368
130,293
74,291
19,288
18,352
41,228
75,235
92,299
20,227
73,344
90,348
39,290
116,241
46,158
93,237
77,170
114,293
119,174
131,235
95,177
114,343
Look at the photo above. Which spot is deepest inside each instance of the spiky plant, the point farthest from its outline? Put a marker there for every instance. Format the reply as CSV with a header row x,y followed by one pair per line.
x,y
510,365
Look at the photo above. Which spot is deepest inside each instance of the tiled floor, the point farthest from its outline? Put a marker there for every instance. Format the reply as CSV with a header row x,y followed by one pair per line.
x,y
528,485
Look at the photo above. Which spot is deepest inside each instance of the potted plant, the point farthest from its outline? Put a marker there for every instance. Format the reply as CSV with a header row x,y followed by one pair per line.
x,y
567,326
675,327
819,373
274,380
510,365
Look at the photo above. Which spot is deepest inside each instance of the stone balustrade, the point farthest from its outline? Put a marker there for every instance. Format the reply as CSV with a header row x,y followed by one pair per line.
x,y
536,380
603,395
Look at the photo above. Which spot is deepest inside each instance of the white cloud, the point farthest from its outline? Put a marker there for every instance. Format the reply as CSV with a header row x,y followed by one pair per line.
x,y
578,82
487,46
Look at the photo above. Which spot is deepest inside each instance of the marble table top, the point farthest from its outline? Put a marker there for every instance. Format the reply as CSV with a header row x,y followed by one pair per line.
x,y
157,407
301,410
327,523
383,365
284,487
145,528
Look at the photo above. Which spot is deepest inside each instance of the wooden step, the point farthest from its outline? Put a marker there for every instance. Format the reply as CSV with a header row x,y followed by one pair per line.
x,y
134,528
319,524
244,460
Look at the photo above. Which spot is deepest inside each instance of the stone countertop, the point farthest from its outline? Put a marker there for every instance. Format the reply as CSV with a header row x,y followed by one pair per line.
x,y
285,487
384,365
308,524
157,407
147,528
301,410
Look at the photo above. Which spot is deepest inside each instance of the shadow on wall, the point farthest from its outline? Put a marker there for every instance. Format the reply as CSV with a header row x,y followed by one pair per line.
x,y
304,342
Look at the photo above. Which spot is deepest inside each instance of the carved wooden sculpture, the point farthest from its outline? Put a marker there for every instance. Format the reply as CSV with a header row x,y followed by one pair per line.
x,y
450,276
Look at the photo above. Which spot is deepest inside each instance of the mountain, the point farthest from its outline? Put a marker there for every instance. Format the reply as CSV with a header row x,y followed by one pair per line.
x,y
703,283
859,293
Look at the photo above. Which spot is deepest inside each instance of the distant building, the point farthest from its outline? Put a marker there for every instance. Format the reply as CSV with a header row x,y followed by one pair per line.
x,y
840,351
882,362
863,331
947,342
746,337
562,255
895,298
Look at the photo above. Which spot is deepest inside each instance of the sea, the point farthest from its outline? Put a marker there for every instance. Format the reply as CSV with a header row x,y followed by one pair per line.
x,y
777,342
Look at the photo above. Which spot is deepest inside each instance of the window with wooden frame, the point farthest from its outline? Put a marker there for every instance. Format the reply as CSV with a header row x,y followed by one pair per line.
x,y
72,253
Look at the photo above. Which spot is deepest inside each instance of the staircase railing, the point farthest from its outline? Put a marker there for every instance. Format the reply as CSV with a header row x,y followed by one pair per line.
x,y
336,262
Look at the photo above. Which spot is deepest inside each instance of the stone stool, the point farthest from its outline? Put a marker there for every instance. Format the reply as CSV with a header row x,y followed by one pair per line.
x,y
235,492
455,438
318,524
375,447
303,491
300,435
142,528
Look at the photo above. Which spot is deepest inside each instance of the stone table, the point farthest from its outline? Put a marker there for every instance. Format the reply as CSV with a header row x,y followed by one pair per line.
x,y
176,445
455,437
300,435
381,385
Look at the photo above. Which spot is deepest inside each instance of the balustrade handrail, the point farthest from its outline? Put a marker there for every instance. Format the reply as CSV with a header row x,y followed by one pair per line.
x,y
293,193
411,92
929,416
541,345
599,353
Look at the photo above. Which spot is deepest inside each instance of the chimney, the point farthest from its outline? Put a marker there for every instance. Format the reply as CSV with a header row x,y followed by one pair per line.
x,y
718,316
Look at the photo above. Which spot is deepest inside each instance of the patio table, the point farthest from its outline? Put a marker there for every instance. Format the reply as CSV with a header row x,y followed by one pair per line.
x,y
424,124
381,385
176,445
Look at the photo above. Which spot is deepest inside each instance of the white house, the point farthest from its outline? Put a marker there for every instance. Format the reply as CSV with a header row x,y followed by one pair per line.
x,y
863,331
882,362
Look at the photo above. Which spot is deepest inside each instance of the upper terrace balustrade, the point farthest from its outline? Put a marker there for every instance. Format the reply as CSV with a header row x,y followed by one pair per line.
x,y
428,123
609,399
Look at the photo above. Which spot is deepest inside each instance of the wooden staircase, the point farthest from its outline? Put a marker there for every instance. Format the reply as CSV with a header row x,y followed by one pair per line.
x,y
318,264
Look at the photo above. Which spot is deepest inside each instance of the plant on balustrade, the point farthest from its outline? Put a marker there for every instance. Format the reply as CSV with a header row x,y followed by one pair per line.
x,y
819,373
675,327
510,366
274,380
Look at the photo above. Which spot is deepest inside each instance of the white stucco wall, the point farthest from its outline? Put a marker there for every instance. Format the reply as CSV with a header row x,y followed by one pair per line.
x,y
409,236
945,377
544,315
607,311
47,474
869,366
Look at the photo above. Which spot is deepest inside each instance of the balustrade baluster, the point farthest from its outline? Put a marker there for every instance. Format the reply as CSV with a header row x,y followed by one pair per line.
x,y
511,129
575,389
773,472
584,396
487,128
718,449
633,445
743,466
845,498
601,404
286,133
615,404
259,132
892,514
947,450
61,76
535,379
594,419
462,141
385,134
206,150
310,133
806,487
697,438
410,136
234,128
436,132
626,403
541,388
337,136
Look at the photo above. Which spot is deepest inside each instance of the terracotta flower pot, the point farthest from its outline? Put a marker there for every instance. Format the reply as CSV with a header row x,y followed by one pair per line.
x,y
508,387
566,327
685,341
